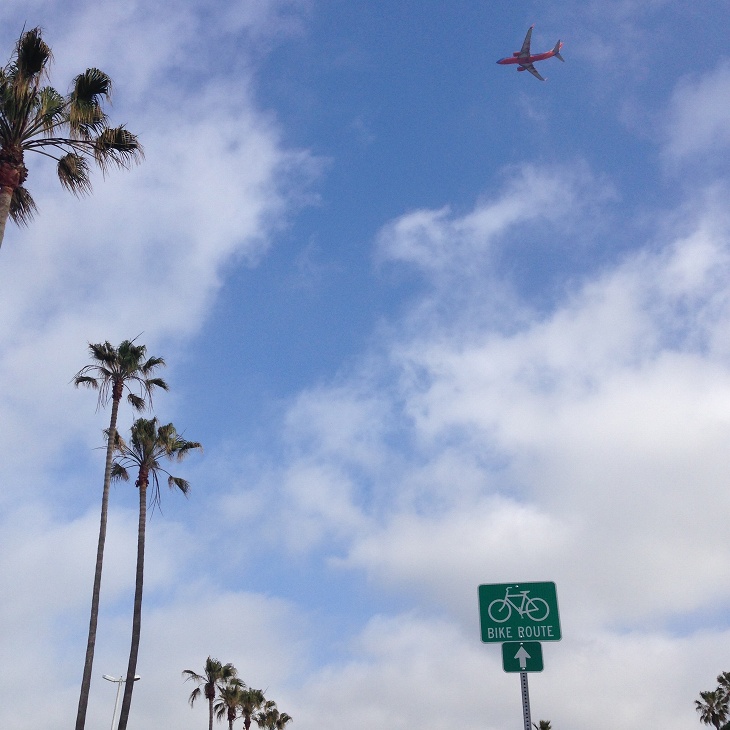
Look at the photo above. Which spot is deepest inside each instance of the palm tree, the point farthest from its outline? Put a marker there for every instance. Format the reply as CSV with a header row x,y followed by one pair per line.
x,y
713,708
112,371
266,717
249,703
270,718
212,679
229,697
149,444
544,725
71,129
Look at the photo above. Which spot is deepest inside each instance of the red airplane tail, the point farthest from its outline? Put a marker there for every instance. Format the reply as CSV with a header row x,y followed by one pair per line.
x,y
556,51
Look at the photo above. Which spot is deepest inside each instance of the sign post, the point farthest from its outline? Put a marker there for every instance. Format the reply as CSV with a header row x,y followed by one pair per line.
x,y
520,616
525,701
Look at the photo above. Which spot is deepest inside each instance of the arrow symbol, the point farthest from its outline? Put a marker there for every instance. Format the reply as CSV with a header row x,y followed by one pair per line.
x,y
522,656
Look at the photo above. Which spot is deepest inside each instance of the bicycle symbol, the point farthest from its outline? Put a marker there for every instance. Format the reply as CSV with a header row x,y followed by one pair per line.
x,y
500,609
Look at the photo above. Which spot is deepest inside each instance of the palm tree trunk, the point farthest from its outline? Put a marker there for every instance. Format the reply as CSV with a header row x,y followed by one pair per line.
x,y
137,616
91,642
210,714
6,195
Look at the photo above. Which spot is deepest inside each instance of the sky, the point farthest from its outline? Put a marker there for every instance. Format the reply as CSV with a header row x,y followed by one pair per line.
x,y
436,324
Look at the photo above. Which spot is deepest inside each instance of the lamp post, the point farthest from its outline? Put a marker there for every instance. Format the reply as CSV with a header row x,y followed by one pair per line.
x,y
119,682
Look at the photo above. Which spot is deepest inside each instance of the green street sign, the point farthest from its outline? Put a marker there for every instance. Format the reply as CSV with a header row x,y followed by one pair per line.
x,y
519,612
522,656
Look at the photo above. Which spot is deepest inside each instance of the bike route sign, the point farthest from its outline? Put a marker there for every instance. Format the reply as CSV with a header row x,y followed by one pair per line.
x,y
519,612
522,656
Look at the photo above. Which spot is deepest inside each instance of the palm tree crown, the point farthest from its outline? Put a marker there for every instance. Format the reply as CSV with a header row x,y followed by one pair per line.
x,y
115,369
713,708
150,443
71,129
215,674
229,698
250,703
112,371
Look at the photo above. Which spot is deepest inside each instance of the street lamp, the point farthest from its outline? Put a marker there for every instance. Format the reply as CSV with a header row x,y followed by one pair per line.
x,y
120,681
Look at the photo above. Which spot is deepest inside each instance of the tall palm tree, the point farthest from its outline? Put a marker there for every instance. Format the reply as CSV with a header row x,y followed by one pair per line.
x,y
229,698
71,129
713,708
113,371
250,703
212,679
544,725
150,443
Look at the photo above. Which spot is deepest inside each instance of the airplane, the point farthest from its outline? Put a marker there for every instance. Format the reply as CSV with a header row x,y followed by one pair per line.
x,y
525,60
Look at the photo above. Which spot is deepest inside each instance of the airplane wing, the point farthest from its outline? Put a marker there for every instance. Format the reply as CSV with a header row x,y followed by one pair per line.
x,y
525,50
529,67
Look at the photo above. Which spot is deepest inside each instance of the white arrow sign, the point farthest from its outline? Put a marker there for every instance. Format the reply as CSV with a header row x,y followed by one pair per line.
x,y
522,656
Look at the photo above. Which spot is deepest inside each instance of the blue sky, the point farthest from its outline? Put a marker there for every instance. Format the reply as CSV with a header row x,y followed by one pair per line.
x,y
435,323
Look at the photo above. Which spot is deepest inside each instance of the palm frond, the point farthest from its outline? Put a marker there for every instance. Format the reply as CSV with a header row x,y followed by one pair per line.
x,y
50,111
103,352
194,694
180,483
136,402
73,172
90,86
183,447
118,146
119,473
151,364
85,114
155,383
87,381
32,55
22,206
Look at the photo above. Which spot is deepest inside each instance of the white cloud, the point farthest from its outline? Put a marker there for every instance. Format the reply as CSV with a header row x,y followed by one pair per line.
x,y
582,445
698,119
412,671
441,241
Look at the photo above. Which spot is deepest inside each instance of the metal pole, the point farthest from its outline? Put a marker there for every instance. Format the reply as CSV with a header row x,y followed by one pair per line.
x,y
119,682
525,701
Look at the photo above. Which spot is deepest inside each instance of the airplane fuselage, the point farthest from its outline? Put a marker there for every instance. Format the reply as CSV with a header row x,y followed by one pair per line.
x,y
529,59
